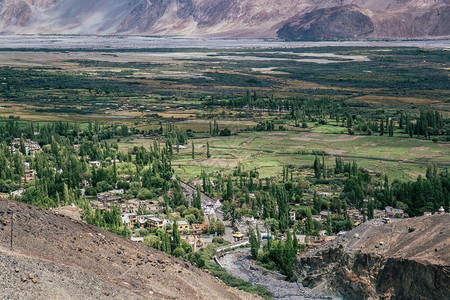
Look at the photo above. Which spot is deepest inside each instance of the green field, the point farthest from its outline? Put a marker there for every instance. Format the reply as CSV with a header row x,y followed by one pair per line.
x,y
399,157
190,88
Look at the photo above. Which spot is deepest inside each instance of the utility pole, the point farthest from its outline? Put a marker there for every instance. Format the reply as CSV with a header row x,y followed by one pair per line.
x,y
12,228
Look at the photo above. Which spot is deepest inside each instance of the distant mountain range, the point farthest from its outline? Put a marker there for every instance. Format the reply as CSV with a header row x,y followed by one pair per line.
x,y
289,19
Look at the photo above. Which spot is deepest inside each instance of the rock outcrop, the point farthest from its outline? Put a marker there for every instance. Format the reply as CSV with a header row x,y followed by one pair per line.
x,y
336,23
408,259
290,19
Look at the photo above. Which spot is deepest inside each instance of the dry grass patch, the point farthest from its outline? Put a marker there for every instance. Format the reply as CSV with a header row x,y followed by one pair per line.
x,y
345,138
384,100
219,162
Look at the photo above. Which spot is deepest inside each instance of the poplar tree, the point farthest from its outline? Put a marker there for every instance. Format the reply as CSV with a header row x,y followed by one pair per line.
x,y
208,154
317,167
176,238
329,227
254,245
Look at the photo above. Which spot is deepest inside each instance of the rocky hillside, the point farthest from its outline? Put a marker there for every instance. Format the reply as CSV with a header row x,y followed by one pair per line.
x,y
55,257
339,22
408,259
291,19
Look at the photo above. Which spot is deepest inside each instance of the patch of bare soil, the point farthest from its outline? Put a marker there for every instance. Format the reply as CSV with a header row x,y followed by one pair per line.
x,y
345,138
422,148
302,139
427,155
390,100
336,151
218,162
73,260
305,137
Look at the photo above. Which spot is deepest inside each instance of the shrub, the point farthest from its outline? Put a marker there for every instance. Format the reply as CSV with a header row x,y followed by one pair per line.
x,y
178,252
218,239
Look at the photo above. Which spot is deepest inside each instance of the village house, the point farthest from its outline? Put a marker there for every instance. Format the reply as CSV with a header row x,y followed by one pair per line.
x,y
130,205
330,238
94,163
30,174
18,192
125,177
183,226
156,223
391,212
142,219
292,215
324,214
196,241
175,214
129,219
199,228
301,238
317,218
31,147
355,215
110,196
97,204
378,213
315,241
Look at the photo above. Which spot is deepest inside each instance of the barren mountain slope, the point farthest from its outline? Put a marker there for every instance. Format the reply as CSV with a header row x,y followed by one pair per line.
x,y
408,259
228,18
73,260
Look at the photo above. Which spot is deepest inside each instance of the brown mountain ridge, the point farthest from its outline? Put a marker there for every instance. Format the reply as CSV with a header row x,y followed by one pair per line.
x,y
289,19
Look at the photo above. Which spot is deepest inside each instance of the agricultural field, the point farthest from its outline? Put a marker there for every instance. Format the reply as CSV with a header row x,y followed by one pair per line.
x,y
190,87
399,157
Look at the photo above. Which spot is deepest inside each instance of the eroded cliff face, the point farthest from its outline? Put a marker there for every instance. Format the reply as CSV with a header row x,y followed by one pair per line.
x,y
408,260
291,19
370,276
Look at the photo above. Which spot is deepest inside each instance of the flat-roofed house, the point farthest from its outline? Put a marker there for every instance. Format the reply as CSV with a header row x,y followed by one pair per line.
x,y
183,225
156,223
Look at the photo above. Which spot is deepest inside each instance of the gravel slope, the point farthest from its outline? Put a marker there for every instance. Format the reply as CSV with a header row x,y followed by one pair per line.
x,y
71,259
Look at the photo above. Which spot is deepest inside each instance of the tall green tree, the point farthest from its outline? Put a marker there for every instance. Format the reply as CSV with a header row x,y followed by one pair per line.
x,y
254,246
329,227
176,237
317,168
208,153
